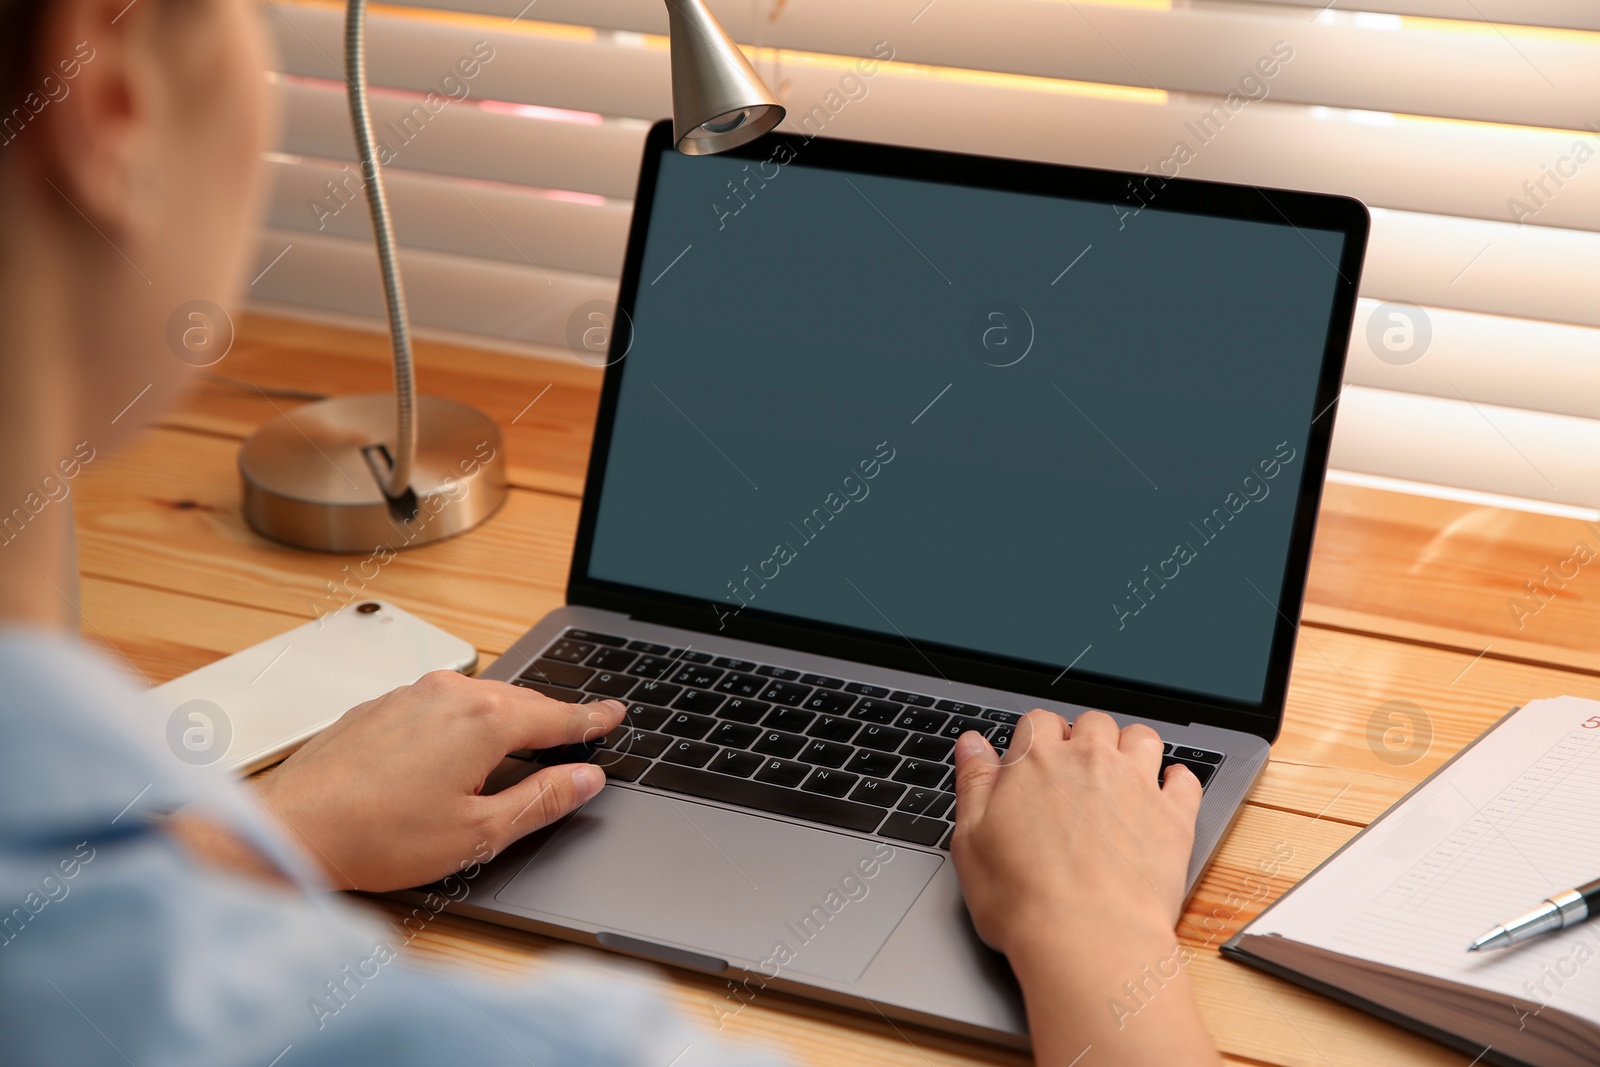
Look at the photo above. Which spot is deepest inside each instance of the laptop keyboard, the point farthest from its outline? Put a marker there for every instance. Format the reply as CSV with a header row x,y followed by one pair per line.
x,y
846,754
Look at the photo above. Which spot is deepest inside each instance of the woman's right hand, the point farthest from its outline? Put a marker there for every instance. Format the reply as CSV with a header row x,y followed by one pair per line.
x,y
1073,856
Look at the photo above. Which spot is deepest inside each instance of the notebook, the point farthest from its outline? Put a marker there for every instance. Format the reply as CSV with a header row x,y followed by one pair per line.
x,y
1384,923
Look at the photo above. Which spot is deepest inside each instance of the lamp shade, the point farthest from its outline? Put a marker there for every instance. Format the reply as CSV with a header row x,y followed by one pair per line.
x,y
718,100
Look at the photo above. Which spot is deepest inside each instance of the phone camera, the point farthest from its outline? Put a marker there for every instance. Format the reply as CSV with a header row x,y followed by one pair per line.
x,y
369,608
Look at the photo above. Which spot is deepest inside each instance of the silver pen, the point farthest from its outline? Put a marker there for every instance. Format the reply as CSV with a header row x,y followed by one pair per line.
x,y
1559,911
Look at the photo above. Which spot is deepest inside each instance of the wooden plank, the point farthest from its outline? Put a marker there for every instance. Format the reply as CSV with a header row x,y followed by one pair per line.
x,y
1461,575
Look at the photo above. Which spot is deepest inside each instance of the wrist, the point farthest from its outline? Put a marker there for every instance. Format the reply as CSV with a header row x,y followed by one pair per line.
x,y
1088,951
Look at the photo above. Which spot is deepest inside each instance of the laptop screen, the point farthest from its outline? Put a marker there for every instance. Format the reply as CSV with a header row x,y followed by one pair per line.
x,y
1054,430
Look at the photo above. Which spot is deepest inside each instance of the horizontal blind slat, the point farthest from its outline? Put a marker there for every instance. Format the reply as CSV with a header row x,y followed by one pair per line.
x,y
1483,359
1508,451
461,217
600,157
489,299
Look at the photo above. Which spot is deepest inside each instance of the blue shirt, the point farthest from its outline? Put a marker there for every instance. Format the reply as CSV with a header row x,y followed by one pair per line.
x,y
117,948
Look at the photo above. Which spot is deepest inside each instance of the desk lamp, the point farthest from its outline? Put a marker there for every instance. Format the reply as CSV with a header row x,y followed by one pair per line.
x,y
355,473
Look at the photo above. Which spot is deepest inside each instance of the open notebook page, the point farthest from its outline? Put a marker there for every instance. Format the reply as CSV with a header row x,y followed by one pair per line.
x,y
1513,820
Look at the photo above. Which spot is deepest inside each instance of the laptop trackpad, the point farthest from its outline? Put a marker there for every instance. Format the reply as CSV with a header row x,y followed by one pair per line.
x,y
757,892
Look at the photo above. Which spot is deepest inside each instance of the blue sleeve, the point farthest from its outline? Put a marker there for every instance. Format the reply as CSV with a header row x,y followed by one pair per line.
x,y
117,948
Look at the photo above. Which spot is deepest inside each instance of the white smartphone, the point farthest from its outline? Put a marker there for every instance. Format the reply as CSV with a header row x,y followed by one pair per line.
x,y
256,706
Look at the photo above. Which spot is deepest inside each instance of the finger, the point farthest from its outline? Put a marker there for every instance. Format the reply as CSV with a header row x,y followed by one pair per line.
x,y
534,720
1036,727
1096,727
541,799
1180,783
1143,744
977,767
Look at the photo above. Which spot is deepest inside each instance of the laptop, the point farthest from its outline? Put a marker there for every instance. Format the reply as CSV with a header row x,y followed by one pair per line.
x,y
894,444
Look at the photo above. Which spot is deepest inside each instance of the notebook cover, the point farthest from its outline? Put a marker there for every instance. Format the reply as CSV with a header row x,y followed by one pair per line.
x,y
1495,1028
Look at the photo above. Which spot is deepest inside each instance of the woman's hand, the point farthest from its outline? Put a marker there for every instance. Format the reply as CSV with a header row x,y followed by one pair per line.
x,y
388,796
1072,856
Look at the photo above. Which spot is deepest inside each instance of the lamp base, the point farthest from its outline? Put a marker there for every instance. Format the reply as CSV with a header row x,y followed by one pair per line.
x,y
313,477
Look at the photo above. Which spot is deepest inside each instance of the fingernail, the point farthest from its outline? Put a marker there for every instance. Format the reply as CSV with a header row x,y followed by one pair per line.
x,y
587,781
969,744
614,704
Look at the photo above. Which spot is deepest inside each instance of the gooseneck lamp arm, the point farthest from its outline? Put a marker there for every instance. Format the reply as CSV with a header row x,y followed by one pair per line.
x,y
350,473
394,293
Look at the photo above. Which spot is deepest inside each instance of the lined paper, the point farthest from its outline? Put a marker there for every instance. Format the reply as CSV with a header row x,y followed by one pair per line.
x,y
1515,819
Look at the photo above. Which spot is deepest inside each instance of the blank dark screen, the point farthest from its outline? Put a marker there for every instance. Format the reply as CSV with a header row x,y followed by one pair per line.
x,y
1048,429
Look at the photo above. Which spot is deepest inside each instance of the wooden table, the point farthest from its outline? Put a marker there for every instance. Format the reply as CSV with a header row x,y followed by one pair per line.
x,y
1410,600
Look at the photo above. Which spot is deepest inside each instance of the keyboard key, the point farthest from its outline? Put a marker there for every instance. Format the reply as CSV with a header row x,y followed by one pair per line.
x,y
778,743
1202,771
612,659
653,667
1196,755
794,803
554,692
641,743
823,680
927,722
826,753
929,802
611,685
734,735
646,716
792,719
960,724
687,724
956,707
658,693
690,753
740,709
651,649
742,764
1000,736
829,702
742,685
789,693
912,828
834,728
1166,749
920,772
873,764
569,651
881,738
912,698
874,791
733,664
783,674
700,677
782,772
872,709
861,689
556,673
696,657
620,767
997,715
829,783
594,638
945,844
699,700
927,747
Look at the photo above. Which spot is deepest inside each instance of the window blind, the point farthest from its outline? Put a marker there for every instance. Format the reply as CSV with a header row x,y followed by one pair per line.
x,y
512,132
